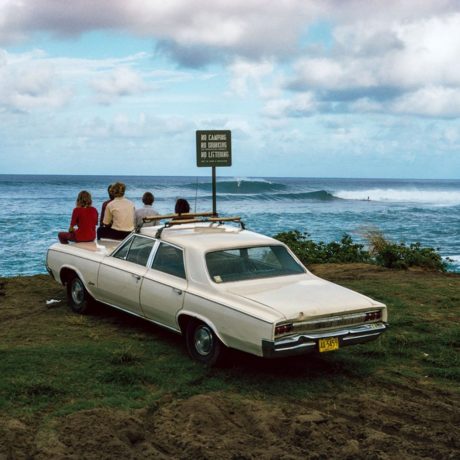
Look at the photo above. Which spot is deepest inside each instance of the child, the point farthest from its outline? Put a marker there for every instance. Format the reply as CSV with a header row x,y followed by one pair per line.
x,y
84,217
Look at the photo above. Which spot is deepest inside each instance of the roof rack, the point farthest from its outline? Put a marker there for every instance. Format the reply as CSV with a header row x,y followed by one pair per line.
x,y
190,218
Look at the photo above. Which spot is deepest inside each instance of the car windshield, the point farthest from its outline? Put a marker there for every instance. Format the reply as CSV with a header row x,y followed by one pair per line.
x,y
251,263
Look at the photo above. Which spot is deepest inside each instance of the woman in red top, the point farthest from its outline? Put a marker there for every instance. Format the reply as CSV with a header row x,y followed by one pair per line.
x,y
84,218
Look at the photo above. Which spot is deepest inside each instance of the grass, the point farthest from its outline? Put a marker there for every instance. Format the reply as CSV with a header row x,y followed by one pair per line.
x,y
54,363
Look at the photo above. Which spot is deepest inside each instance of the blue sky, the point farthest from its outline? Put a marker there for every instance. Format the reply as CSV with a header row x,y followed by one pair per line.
x,y
309,88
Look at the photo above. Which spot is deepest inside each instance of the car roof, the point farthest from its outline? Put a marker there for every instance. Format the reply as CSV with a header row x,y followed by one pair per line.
x,y
209,237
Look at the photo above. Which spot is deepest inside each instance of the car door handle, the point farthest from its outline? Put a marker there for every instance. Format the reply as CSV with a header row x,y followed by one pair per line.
x,y
137,277
177,291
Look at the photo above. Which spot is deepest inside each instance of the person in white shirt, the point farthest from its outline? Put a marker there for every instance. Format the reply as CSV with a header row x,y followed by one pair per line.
x,y
146,211
119,215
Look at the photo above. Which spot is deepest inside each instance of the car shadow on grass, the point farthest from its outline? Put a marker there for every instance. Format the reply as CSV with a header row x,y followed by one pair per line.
x,y
242,370
128,325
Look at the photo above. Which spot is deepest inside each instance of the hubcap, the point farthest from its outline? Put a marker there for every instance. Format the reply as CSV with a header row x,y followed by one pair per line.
x,y
203,340
78,292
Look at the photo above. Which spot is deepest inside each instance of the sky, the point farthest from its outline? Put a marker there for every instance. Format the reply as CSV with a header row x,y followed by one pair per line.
x,y
308,88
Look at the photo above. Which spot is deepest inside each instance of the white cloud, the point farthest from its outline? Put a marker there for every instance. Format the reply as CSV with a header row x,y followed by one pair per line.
x,y
300,105
373,64
242,26
328,73
142,127
27,83
451,135
413,54
246,73
120,82
36,81
432,101
431,46
353,11
362,62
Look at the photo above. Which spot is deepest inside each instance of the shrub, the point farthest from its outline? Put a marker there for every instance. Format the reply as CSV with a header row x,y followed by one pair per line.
x,y
381,251
399,255
310,252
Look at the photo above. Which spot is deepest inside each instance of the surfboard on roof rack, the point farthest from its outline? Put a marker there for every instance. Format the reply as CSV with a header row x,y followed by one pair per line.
x,y
190,218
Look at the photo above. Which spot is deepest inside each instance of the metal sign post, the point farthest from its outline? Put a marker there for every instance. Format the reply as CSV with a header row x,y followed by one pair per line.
x,y
214,148
214,191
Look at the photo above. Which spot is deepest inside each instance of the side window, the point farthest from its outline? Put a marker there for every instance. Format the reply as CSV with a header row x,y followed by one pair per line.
x,y
137,250
169,259
122,252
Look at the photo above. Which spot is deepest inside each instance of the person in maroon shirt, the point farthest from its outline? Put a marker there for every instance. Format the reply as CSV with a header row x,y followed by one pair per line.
x,y
104,205
83,222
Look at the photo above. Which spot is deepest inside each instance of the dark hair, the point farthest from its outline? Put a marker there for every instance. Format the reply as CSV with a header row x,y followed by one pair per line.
x,y
182,206
148,198
109,191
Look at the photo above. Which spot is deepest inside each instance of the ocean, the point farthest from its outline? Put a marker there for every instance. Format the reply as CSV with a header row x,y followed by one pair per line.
x,y
34,208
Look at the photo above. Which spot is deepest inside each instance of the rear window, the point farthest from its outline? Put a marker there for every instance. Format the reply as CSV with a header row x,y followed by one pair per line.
x,y
251,263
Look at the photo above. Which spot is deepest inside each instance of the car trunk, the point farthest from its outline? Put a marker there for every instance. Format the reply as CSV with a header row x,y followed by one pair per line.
x,y
303,298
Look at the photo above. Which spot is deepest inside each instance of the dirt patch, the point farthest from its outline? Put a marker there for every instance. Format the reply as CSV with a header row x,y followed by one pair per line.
x,y
393,424
26,296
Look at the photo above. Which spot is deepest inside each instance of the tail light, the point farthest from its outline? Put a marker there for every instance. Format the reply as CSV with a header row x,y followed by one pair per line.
x,y
373,315
283,329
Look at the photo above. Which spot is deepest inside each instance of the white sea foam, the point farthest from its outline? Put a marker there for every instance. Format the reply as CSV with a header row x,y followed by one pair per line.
x,y
245,179
434,197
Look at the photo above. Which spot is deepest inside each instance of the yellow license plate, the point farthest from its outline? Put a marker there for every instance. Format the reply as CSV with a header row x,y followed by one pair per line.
x,y
329,344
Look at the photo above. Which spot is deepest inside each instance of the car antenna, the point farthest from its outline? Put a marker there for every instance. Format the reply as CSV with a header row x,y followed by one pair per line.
x,y
196,192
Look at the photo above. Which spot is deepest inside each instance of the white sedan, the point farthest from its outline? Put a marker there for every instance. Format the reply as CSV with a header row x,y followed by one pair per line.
x,y
220,286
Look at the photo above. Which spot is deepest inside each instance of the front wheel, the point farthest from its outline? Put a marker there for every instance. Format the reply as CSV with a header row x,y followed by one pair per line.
x,y
77,296
202,343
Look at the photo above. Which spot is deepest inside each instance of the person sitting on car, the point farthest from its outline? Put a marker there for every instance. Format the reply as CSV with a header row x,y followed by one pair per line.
x,y
119,215
83,222
182,207
104,205
146,211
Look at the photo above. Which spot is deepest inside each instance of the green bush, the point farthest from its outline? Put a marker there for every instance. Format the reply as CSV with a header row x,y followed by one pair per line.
x,y
310,252
399,255
381,251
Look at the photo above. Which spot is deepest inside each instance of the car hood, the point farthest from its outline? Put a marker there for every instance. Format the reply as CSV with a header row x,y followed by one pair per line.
x,y
303,298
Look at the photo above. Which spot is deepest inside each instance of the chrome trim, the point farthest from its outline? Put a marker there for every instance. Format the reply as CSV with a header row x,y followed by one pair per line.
x,y
302,343
298,347
332,322
362,336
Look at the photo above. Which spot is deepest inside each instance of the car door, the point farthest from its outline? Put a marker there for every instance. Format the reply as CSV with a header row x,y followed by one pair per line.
x,y
121,274
163,288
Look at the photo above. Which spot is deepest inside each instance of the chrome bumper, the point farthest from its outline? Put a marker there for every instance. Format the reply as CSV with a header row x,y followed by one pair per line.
x,y
304,343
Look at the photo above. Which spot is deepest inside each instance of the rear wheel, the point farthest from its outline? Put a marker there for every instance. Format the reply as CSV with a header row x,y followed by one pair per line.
x,y
202,343
77,296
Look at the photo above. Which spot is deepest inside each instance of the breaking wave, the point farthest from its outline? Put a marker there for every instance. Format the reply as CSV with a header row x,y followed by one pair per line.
x,y
264,190
433,197
240,186
320,195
